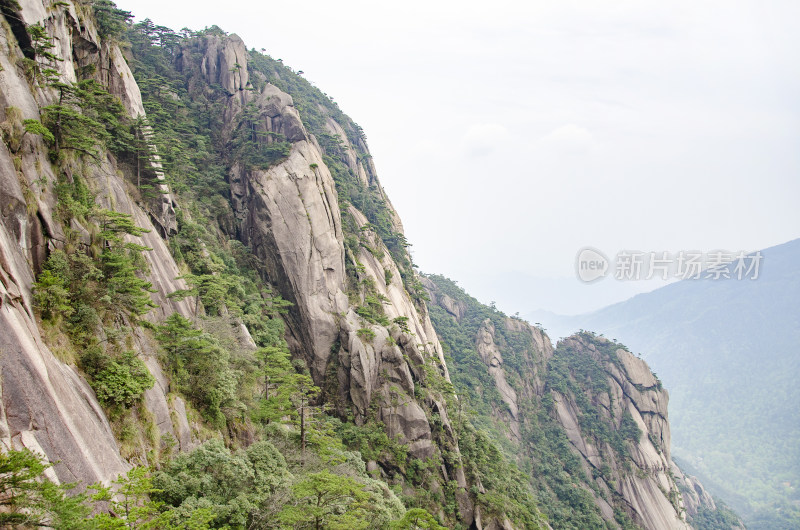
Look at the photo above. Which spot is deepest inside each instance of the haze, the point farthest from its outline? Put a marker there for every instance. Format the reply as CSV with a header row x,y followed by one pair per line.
x,y
510,135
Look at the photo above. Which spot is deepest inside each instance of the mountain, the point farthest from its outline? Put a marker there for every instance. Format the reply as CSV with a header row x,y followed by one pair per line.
x,y
586,419
728,352
208,306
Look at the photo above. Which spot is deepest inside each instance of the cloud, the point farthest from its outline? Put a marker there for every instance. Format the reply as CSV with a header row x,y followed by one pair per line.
x,y
482,139
568,139
551,115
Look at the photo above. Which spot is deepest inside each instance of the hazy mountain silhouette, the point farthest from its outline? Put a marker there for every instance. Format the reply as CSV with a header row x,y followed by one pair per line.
x,y
727,350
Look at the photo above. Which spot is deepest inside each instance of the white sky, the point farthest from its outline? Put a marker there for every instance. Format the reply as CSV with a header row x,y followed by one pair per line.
x,y
509,135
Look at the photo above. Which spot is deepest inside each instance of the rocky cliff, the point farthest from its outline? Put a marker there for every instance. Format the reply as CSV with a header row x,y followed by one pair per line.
x,y
242,202
609,409
361,334
290,216
46,404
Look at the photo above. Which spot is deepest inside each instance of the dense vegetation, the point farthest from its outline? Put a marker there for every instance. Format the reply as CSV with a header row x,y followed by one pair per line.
x,y
551,468
195,156
273,457
727,351
271,451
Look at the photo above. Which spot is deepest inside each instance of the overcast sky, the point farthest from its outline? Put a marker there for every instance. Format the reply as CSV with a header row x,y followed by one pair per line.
x,y
511,134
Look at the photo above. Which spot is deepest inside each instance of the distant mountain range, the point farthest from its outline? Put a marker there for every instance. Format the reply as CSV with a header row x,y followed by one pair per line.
x,y
728,351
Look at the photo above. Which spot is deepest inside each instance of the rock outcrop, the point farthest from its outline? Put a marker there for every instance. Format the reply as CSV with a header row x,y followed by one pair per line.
x,y
357,318
491,355
290,217
649,489
46,404
606,401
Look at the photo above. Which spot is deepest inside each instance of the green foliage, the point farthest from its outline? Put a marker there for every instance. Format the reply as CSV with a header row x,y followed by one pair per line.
x,y
82,289
551,478
258,488
41,42
372,309
508,491
51,294
132,504
233,486
200,369
29,500
417,519
86,119
624,520
216,291
186,129
372,442
36,127
366,334
629,430
723,518
402,323
40,69
286,393
86,290
225,280
111,21
123,381
275,366
324,500
121,266
575,373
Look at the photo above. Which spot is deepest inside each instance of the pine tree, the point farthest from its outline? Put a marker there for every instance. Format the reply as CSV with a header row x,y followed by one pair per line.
x,y
324,500
27,499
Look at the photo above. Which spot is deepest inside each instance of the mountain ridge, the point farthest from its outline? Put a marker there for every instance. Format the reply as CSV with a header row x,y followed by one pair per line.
x,y
199,262
733,338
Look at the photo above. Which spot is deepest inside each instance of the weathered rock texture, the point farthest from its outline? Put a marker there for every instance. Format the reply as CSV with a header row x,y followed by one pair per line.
x,y
46,405
291,217
649,490
644,482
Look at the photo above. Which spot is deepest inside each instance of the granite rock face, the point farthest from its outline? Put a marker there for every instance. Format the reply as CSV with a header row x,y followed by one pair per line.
x,y
290,216
491,355
46,405
649,490
643,481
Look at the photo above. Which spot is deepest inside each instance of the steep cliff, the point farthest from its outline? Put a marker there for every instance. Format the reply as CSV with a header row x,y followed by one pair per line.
x,y
312,220
46,404
588,406
366,341
195,245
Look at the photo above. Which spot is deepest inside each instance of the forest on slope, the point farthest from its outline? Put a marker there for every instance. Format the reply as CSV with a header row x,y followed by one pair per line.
x,y
200,366
206,244
727,350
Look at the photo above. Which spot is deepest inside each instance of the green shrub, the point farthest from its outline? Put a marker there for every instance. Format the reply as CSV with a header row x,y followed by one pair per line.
x,y
235,486
122,381
200,369
366,334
